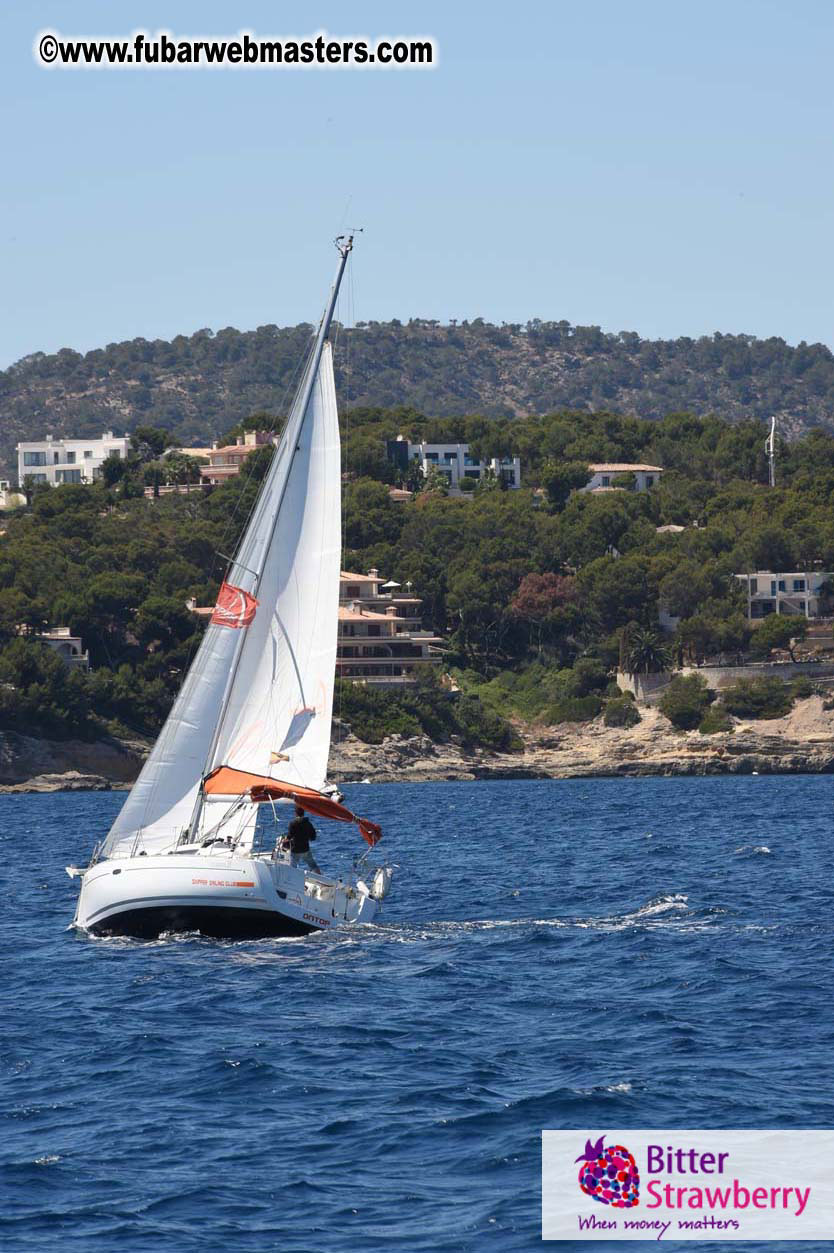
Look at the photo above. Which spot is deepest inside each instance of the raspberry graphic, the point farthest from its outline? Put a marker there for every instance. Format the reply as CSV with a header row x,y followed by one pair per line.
x,y
609,1175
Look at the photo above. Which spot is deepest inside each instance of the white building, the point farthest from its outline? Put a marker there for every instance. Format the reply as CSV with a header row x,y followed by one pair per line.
x,y
58,461
70,648
603,475
453,460
803,592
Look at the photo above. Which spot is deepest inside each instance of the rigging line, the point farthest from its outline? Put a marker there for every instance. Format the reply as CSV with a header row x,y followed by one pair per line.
x,y
341,526
350,318
348,203
227,817
231,560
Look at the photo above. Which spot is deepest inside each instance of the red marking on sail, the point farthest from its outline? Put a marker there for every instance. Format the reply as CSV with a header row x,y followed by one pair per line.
x,y
234,608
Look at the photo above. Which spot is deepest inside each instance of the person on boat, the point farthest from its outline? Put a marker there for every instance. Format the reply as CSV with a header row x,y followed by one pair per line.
x,y
301,833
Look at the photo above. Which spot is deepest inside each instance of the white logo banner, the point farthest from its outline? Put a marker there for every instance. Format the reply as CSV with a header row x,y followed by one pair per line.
x,y
687,1185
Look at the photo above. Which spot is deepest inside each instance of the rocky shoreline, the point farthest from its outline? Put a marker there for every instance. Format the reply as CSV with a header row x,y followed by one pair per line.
x,y
28,764
800,743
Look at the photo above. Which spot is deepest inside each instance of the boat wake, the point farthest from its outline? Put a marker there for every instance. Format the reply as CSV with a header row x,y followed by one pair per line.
x,y
671,911
662,908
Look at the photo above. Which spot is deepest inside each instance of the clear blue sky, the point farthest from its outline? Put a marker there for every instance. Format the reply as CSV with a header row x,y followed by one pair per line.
x,y
655,167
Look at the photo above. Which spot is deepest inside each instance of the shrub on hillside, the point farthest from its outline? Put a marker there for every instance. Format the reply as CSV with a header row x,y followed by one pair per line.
x,y
372,714
758,698
527,692
714,720
573,709
621,712
685,701
480,725
425,709
589,675
542,693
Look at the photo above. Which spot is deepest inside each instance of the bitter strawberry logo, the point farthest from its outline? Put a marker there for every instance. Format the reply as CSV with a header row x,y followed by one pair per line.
x,y
609,1175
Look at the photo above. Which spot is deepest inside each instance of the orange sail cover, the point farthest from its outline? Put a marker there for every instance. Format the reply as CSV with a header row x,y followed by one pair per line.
x,y
226,781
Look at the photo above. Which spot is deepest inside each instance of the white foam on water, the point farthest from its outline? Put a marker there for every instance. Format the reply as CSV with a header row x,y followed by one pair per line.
x,y
671,909
617,1089
660,909
661,905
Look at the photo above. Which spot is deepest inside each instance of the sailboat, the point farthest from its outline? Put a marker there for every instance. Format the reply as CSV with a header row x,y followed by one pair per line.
x,y
250,727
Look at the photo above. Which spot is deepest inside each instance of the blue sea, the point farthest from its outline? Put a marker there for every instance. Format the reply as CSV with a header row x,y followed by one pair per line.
x,y
581,954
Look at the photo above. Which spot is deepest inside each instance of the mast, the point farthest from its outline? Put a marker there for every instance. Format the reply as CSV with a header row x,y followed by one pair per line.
x,y
344,246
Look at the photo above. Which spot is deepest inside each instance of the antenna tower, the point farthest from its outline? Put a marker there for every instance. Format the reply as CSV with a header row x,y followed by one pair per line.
x,y
770,449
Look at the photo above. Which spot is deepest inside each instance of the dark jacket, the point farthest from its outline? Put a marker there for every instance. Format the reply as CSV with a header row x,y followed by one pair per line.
x,y
301,832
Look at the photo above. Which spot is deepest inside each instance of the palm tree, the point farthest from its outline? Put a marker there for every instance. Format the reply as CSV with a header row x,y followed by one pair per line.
x,y
645,652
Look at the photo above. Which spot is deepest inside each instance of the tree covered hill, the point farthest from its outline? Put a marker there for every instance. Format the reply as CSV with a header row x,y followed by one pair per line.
x,y
197,386
537,596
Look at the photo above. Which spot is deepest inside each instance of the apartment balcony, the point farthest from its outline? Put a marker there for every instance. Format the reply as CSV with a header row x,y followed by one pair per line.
x,y
175,489
389,681
367,651
803,605
225,470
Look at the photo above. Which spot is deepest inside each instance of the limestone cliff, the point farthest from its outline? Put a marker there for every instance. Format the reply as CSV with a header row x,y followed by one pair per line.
x,y
800,743
36,765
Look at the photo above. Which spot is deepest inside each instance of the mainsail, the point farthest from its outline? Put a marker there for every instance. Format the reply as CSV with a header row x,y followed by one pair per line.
x,y
277,717
259,694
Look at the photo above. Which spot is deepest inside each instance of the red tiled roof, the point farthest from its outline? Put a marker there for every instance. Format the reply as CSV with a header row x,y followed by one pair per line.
x,y
354,615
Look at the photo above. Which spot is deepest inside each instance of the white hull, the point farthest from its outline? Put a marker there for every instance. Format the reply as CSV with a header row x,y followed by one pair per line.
x,y
221,894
